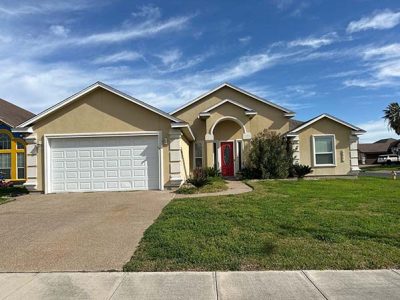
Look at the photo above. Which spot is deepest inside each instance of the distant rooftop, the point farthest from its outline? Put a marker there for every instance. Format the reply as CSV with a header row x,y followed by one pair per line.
x,y
12,114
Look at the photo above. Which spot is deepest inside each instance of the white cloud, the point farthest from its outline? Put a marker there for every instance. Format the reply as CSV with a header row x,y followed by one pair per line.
x,y
381,20
384,52
170,56
146,29
388,69
368,82
282,4
381,67
313,42
118,57
5,39
245,40
376,130
148,11
59,30
245,66
21,8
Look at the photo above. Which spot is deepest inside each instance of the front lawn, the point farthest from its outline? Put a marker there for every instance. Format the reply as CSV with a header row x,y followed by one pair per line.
x,y
281,225
215,184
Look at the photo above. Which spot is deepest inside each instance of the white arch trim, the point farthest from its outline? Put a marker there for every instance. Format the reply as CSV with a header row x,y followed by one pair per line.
x,y
236,120
246,134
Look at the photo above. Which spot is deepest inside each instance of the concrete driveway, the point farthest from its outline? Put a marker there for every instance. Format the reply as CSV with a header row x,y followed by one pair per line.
x,y
77,231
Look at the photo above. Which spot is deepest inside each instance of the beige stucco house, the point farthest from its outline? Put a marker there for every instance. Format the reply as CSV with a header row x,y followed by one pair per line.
x,y
102,139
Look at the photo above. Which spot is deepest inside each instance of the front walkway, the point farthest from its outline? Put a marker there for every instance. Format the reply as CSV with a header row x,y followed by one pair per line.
x,y
234,187
378,284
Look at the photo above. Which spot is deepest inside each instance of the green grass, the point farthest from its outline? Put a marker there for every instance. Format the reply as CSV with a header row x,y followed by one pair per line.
x,y
281,225
216,184
382,168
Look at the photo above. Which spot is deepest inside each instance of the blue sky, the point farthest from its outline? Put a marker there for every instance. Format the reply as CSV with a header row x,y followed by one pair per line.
x,y
312,56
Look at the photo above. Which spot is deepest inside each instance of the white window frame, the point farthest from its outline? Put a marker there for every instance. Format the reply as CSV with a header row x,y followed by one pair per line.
x,y
194,153
238,167
333,150
24,167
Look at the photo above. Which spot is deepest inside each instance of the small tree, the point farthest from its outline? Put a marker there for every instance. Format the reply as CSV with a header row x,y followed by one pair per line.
x,y
269,155
392,116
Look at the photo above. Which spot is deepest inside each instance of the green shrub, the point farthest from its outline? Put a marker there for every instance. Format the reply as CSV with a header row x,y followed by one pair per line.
x,y
186,190
269,155
199,178
13,191
302,170
212,172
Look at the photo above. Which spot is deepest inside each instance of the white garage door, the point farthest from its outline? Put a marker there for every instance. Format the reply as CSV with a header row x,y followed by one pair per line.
x,y
103,164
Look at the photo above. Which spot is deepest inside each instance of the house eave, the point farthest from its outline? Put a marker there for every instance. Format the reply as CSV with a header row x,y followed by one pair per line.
x,y
185,128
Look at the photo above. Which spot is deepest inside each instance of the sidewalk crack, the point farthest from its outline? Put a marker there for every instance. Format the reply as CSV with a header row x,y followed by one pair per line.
x,y
118,285
216,284
395,271
313,283
20,287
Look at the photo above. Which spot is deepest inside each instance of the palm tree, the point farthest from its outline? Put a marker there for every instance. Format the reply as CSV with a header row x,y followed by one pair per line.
x,y
392,116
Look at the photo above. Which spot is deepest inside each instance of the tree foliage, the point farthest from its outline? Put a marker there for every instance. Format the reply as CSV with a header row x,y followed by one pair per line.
x,y
392,116
269,155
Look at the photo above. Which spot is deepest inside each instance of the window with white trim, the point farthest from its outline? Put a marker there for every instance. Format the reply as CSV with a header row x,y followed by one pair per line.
x,y
198,154
324,150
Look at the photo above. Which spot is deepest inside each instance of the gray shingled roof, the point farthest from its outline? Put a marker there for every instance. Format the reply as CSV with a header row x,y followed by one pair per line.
x,y
381,146
13,115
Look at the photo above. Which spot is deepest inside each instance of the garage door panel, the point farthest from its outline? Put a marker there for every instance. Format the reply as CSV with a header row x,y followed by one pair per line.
x,y
85,154
84,174
104,163
85,186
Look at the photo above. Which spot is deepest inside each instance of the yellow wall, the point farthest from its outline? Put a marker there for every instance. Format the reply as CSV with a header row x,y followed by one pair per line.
x,y
342,136
100,111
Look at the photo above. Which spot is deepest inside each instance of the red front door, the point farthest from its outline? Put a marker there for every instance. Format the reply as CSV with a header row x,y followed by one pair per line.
x,y
227,167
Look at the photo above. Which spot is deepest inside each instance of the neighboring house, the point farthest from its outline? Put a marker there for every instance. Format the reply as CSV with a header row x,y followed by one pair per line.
x,y
102,139
368,153
12,145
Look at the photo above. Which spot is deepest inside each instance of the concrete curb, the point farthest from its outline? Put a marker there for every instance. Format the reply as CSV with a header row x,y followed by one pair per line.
x,y
311,284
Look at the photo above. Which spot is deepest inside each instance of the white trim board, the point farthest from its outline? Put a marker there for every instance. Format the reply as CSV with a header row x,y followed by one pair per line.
x,y
88,90
47,149
288,112
357,129
187,127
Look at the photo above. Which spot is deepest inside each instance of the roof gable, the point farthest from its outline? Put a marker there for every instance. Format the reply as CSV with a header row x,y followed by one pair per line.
x,y
248,110
285,110
12,115
88,90
316,119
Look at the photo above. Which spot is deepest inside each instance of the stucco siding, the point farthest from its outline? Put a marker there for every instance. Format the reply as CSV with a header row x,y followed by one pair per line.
x,y
185,158
228,130
342,153
100,111
267,116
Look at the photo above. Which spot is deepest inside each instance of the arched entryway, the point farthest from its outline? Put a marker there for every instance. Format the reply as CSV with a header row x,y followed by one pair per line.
x,y
228,135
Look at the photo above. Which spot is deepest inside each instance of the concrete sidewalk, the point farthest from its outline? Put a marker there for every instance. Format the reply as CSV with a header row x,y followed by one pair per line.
x,y
377,284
